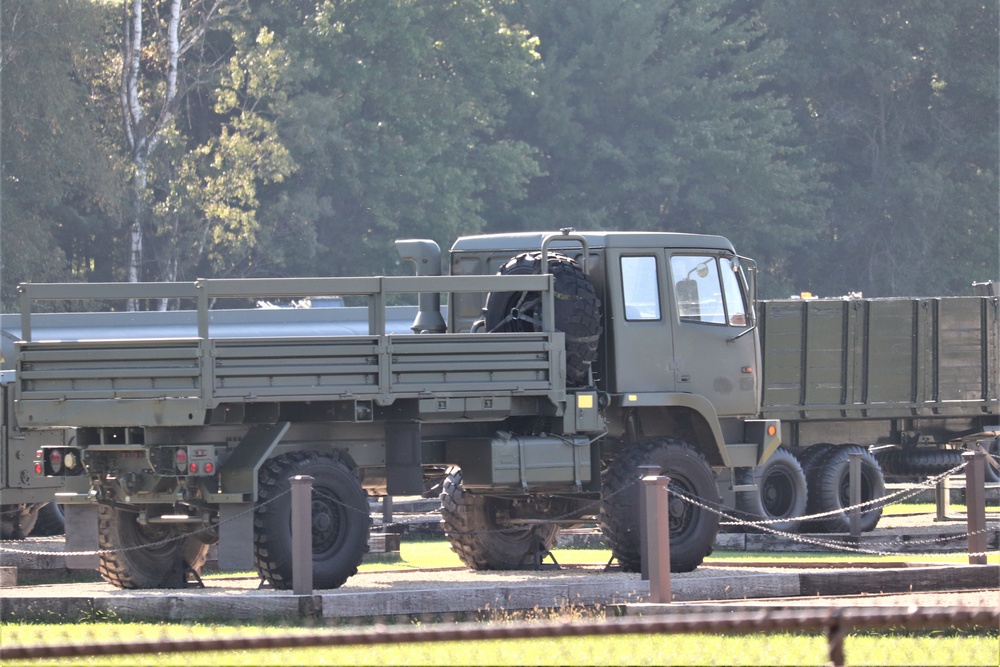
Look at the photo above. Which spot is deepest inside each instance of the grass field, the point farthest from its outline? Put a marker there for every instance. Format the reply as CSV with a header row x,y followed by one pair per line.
x,y
939,648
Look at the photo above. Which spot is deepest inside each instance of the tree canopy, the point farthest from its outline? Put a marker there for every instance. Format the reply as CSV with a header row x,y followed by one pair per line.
x,y
845,145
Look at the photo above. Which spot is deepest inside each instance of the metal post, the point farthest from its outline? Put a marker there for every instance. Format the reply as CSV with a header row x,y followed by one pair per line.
x,y
975,505
302,561
646,471
656,501
855,479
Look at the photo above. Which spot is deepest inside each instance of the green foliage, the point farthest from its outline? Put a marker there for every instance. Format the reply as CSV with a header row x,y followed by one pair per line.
x,y
208,223
61,177
899,98
394,113
846,145
658,116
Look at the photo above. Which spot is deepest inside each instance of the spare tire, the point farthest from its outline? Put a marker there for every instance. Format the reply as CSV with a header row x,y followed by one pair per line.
x,y
577,310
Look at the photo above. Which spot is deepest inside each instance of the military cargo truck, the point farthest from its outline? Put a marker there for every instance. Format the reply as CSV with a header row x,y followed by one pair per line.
x,y
543,395
906,383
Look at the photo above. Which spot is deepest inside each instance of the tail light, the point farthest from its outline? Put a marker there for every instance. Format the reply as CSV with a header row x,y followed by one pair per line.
x,y
55,461
180,459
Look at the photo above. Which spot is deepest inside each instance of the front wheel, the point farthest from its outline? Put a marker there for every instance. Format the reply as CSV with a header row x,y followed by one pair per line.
x,y
340,519
145,555
693,529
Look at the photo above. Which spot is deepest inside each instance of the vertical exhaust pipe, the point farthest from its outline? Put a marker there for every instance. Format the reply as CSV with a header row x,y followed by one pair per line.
x,y
427,256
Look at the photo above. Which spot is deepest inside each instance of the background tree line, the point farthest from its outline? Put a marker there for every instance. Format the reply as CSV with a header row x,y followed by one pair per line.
x,y
846,145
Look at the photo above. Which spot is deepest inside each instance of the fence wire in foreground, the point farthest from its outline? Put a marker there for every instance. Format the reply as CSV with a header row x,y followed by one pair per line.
x,y
835,623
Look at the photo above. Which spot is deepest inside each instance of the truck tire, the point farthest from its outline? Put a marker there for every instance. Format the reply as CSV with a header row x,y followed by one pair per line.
x,y
478,529
577,310
829,490
919,462
693,529
51,521
17,521
340,519
163,561
809,456
781,492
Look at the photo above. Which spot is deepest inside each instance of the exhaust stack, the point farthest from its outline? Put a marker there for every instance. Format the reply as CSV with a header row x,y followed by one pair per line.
x,y
427,256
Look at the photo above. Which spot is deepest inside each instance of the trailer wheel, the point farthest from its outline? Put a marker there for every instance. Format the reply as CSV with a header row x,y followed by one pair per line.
x,y
781,492
829,490
17,521
51,521
577,310
693,529
340,519
162,562
480,530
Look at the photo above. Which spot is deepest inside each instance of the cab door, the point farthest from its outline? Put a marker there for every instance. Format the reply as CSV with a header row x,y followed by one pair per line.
x,y
715,351
640,331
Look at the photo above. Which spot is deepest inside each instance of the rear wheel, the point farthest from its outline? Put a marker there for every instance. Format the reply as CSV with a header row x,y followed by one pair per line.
x,y
483,529
781,492
692,529
17,521
340,519
51,520
830,490
146,555
577,310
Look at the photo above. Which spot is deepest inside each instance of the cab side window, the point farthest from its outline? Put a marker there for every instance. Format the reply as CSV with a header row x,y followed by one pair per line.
x,y
707,291
640,288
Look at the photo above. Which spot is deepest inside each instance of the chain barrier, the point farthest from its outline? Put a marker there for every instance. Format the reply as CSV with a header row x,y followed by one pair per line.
x,y
726,514
149,545
894,498
836,546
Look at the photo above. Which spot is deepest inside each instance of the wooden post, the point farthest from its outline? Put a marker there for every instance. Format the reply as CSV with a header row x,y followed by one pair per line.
x,y
855,480
942,499
975,505
646,471
302,556
656,502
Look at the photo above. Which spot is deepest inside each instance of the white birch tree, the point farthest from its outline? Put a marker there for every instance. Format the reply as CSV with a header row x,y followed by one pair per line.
x,y
163,59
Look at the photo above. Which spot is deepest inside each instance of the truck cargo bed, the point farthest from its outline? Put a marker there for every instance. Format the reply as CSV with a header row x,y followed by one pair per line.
x,y
880,358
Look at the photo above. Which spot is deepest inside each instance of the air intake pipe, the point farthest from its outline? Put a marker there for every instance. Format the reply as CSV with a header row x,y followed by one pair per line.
x,y
427,256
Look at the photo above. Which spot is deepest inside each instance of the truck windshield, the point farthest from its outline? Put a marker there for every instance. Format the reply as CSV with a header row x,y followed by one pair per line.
x,y
707,290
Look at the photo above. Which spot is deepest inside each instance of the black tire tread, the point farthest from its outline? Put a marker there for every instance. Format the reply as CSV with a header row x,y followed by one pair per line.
x,y
474,536
577,310
269,519
619,507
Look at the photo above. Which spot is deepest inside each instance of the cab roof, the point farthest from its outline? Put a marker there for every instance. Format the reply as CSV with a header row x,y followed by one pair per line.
x,y
528,241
